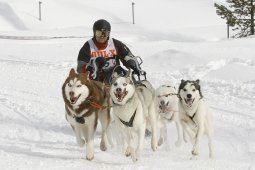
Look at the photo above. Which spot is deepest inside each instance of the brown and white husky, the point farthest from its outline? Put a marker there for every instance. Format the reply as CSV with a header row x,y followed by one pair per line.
x,y
84,100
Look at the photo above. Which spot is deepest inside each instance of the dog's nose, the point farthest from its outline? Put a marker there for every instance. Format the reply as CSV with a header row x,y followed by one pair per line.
x,y
71,93
118,90
189,95
162,102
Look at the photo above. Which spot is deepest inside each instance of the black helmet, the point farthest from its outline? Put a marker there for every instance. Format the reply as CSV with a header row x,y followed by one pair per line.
x,y
101,24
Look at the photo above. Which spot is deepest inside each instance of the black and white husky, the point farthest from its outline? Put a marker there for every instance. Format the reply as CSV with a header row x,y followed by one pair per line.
x,y
133,108
195,115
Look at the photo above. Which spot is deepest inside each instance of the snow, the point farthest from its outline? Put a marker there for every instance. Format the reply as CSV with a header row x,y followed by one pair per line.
x,y
177,39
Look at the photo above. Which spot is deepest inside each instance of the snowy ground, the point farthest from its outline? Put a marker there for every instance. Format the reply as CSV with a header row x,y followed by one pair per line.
x,y
34,132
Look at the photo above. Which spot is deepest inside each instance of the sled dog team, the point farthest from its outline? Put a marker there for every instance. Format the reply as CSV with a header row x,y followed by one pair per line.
x,y
132,107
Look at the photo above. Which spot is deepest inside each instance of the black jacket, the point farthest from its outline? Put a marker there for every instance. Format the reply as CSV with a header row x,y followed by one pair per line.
x,y
122,51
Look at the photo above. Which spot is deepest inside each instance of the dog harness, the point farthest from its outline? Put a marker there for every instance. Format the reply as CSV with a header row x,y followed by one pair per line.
x,y
192,117
194,114
168,94
130,123
81,119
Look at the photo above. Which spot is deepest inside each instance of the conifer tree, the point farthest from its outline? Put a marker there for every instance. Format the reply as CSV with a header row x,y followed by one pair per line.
x,y
239,14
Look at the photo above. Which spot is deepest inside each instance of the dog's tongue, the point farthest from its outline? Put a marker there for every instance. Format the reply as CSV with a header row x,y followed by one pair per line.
x,y
119,95
189,102
163,108
73,99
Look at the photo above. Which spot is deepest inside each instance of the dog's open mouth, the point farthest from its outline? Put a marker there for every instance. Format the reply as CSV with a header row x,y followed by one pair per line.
x,y
120,95
189,101
73,99
164,108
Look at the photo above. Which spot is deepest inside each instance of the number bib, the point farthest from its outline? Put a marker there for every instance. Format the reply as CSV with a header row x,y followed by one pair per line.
x,y
108,53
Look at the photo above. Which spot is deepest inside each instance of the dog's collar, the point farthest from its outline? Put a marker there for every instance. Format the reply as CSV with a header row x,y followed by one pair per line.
x,y
80,120
131,120
89,102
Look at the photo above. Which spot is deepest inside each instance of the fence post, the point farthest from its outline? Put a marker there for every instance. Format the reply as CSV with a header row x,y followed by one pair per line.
x,y
40,16
133,12
228,30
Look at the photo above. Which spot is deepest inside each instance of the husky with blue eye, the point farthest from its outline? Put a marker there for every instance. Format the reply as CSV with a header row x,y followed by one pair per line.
x,y
84,103
195,116
133,109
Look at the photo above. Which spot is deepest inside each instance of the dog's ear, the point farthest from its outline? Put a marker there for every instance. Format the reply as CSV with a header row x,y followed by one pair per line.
x,y
72,73
129,73
182,81
197,81
85,75
115,75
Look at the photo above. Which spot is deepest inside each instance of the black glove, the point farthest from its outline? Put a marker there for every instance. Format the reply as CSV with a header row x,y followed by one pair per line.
x,y
90,68
136,71
95,65
100,62
132,65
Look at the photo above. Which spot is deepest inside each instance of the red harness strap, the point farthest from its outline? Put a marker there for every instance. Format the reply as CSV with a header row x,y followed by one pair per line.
x,y
96,105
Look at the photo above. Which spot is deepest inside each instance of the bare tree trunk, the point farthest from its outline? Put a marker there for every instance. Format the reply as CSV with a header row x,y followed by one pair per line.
x,y
252,18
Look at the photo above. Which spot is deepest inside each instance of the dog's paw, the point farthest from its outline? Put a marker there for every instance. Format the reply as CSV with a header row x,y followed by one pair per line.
x,y
103,146
128,152
154,147
195,151
90,157
134,159
160,141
